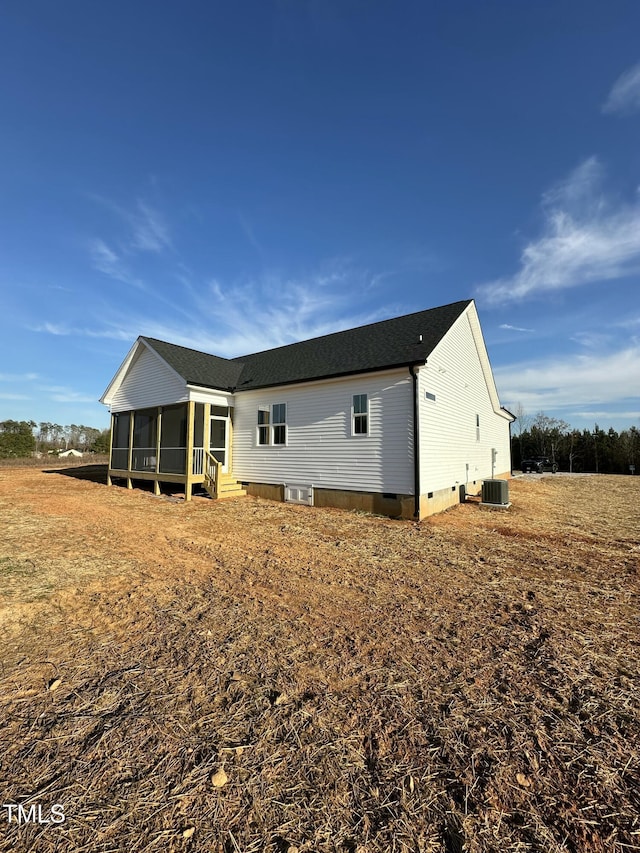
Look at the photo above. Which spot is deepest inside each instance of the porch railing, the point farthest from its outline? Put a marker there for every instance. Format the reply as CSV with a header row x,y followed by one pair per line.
x,y
198,460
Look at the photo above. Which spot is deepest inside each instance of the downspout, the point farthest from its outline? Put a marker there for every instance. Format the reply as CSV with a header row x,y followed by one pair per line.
x,y
416,446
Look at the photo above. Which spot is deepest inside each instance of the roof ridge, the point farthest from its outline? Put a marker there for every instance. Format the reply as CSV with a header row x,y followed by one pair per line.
x,y
188,349
384,344
464,302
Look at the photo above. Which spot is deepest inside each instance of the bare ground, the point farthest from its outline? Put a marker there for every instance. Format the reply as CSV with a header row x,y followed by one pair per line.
x,y
248,676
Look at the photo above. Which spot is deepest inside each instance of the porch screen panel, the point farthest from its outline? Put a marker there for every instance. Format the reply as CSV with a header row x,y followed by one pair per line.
x,y
120,441
197,462
198,426
173,440
145,424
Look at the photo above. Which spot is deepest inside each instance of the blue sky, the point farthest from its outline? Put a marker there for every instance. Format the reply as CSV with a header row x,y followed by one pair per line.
x,y
234,176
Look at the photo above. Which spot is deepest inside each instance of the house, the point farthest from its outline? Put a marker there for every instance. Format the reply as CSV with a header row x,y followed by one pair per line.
x,y
67,453
393,417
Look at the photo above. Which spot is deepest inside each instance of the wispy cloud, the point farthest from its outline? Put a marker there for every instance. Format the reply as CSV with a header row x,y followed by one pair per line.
x,y
585,238
145,227
632,415
624,97
231,319
515,328
18,377
63,330
568,382
6,396
275,310
630,322
107,261
591,340
149,230
64,394
143,230
249,233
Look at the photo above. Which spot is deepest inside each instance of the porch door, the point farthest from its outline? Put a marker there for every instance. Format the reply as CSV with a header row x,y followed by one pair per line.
x,y
219,441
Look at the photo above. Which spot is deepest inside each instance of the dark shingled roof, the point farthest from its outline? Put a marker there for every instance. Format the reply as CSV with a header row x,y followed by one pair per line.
x,y
198,368
377,346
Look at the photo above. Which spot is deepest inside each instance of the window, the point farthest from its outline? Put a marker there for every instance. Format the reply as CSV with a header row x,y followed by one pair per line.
x,y
272,424
279,413
477,427
360,419
263,426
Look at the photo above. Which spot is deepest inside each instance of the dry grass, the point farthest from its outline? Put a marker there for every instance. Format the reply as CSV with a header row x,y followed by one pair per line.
x,y
462,686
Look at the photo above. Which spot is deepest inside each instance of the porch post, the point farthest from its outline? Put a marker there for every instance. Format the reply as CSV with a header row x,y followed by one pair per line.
x,y
156,483
206,427
191,413
130,456
110,449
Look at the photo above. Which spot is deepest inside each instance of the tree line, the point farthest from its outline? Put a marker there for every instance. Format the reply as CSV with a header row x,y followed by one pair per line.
x,y
597,450
589,450
24,438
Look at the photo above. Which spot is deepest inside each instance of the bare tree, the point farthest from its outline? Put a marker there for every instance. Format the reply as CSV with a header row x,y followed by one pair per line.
x,y
550,432
522,423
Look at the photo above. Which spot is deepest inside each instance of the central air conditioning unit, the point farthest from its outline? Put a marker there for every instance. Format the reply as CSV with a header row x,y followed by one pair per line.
x,y
495,492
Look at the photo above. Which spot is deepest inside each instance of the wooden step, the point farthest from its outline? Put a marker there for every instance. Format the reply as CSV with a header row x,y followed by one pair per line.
x,y
229,487
236,493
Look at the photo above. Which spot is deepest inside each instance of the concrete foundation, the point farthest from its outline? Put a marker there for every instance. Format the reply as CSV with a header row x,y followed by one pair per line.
x,y
396,506
265,490
438,501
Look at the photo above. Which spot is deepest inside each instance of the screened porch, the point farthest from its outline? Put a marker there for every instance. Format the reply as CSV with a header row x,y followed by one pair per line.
x,y
179,443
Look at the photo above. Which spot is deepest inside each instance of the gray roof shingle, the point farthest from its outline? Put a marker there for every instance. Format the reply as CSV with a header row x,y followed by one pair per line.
x,y
198,368
386,344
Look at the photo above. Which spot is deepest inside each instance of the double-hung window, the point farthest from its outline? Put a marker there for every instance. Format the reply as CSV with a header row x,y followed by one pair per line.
x,y
360,415
279,423
272,424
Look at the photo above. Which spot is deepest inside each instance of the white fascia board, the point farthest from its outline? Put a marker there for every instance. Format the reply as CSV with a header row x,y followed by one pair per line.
x,y
474,323
210,395
113,386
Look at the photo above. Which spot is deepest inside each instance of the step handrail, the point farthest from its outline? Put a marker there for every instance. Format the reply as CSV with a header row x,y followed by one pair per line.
x,y
211,472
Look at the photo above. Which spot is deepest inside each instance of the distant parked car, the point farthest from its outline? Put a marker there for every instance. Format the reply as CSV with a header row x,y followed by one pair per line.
x,y
538,465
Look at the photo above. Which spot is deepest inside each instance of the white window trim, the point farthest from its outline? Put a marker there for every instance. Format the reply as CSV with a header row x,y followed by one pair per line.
x,y
270,427
355,434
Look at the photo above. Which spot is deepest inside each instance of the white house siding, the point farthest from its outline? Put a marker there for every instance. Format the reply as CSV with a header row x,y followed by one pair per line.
x,y
320,449
450,452
148,383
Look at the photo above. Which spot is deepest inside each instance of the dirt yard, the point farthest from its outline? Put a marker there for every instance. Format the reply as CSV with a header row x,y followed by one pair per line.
x,y
252,677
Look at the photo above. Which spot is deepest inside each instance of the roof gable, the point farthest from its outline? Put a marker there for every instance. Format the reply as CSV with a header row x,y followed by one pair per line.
x,y
144,379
